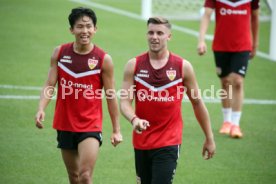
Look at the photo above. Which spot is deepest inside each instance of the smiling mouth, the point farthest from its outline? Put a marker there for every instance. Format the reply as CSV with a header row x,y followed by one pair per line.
x,y
84,37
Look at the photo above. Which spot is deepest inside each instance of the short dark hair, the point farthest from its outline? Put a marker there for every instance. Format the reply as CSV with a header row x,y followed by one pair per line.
x,y
159,20
79,12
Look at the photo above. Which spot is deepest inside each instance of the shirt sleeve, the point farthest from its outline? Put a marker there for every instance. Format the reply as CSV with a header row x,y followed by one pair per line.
x,y
255,4
209,4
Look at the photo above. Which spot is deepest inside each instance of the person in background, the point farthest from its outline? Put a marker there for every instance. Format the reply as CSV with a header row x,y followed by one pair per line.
x,y
235,42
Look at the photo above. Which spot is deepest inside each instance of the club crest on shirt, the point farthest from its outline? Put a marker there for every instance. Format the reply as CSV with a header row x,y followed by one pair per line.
x,y
92,63
171,74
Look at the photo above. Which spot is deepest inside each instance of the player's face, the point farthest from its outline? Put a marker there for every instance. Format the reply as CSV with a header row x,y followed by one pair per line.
x,y
83,30
158,36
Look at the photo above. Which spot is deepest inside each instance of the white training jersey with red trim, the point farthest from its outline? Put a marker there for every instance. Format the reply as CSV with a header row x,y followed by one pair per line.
x,y
233,24
158,98
79,98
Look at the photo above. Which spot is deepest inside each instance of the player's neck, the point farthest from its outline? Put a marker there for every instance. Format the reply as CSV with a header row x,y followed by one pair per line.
x,y
82,49
159,59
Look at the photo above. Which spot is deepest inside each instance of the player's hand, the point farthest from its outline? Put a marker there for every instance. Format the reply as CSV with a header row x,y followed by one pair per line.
x,y
209,149
39,118
116,138
140,125
253,53
201,48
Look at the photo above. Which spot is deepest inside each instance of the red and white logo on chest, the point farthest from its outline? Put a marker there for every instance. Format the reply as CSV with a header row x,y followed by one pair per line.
x,y
171,74
92,63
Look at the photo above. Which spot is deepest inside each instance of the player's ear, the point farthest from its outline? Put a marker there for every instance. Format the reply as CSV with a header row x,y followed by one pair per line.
x,y
71,30
169,36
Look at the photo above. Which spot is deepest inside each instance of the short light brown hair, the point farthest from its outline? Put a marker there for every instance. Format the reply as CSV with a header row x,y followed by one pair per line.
x,y
159,20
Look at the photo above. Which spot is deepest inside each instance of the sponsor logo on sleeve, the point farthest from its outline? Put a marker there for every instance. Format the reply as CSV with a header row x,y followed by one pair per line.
x,y
66,59
143,74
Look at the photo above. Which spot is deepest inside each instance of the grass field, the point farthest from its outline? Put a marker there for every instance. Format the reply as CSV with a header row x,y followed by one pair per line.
x,y
30,29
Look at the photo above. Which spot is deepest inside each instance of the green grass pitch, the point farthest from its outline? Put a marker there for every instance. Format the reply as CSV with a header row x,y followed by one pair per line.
x,y
30,30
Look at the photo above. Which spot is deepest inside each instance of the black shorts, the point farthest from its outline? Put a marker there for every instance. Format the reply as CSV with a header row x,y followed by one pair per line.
x,y
70,140
156,166
231,62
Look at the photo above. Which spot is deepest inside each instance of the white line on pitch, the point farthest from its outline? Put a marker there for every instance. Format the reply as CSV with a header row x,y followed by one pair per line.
x,y
7,86
246,101
36,88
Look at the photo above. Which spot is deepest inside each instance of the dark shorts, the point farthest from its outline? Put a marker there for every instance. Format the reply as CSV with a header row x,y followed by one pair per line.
x,y
231,62
156,166
70,140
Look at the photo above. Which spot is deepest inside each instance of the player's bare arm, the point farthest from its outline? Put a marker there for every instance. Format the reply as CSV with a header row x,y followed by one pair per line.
x,y
200,109
127,96
202,47
48,89
111,98
255,32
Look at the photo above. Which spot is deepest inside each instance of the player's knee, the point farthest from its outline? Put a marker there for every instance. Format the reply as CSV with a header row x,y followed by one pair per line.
x,y
73,177
238,82
226,82
85,176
